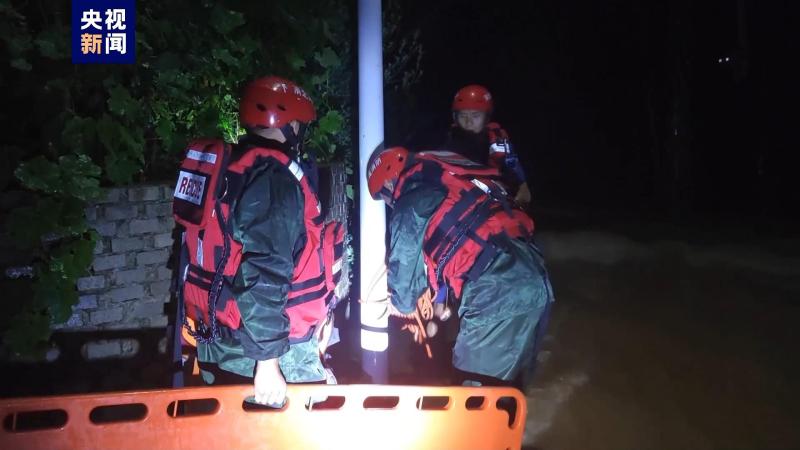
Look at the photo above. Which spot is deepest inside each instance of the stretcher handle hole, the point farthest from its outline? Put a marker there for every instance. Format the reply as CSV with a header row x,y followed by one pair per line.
x,y
509,405
249,405
35,420
381,402
475,402
130,412
193,407
330,402
433,403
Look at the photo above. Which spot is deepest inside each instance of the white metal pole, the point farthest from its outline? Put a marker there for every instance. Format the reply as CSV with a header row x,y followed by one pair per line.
x,y
372,224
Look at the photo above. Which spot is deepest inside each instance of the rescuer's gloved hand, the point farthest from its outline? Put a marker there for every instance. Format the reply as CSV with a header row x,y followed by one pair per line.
x,y
442,311
269,384
523,198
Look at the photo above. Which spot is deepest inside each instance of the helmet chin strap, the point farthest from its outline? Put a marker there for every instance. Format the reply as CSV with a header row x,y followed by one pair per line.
x,y
294,140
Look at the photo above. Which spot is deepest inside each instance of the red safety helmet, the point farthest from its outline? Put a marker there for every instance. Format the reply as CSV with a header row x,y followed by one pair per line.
x,y
383,169
473,97
272,102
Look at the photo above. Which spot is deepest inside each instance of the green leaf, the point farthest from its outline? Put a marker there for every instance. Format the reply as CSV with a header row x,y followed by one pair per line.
x,y
71,220
222,54
73,257
165,131
224,20
79,133
327,58
46,290
121,103
331,122
120,168
131,144
348,190
21,64
19,43
61,311
39,174
295,61
107,131
52,44
80,176
73,166
47,48
317,80
55,291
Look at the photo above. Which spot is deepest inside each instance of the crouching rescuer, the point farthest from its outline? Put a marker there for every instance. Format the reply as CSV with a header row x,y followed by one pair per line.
x,y
457,240
259,264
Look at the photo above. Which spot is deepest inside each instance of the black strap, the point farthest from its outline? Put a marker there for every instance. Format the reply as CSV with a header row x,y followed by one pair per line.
x,y
482,262
307,284
205,285
200,272
469,225
225,332
449,222
234,183
305,298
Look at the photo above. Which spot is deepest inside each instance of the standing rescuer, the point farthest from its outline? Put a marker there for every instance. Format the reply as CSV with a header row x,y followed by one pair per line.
x,y
475,137
258,265
456,234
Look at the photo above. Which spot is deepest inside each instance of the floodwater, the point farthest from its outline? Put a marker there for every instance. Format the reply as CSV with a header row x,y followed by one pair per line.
x,y
660,355
648,350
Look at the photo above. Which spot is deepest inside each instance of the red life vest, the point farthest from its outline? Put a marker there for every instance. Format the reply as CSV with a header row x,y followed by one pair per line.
x,y
458,239
209,185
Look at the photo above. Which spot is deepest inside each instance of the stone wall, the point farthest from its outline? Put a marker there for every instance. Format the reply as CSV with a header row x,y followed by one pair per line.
x,y
129,282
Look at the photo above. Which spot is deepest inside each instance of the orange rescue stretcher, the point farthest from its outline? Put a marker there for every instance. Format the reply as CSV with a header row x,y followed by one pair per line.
x,y
350,417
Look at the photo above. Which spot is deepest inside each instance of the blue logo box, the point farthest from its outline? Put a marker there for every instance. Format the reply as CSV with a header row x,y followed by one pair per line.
x,y
103,31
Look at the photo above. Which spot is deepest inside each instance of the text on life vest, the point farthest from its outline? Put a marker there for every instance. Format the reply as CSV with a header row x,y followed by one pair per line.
x,y
190,187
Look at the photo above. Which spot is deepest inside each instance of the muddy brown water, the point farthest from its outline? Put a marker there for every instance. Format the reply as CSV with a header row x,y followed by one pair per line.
x,y
658,355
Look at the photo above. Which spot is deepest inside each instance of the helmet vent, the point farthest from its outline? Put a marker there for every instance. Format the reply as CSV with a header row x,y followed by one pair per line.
x,y
282,108
261,107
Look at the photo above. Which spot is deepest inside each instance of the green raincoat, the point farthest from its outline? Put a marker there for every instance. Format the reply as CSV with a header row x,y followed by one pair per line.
x,y
501,314
268,222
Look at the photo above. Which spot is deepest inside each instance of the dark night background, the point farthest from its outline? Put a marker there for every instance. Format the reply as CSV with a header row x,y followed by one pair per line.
x,y
625,106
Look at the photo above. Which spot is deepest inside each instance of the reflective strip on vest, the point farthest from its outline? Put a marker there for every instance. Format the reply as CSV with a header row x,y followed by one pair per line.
x,y
199,255
296,171
337,266
482,186
196,155
498,148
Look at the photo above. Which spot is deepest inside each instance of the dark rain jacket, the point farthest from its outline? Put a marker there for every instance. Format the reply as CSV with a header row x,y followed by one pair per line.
x,y
268,221
500,314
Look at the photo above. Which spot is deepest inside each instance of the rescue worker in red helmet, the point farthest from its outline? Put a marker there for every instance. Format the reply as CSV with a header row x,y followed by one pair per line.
x,y
475,137
269,222
456,236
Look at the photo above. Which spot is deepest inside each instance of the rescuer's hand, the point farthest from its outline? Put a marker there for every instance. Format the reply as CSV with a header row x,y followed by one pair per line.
x,y
269,384
523,198
442,311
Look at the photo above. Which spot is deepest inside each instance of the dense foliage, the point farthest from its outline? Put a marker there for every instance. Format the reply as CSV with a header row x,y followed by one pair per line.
x,y
71,129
